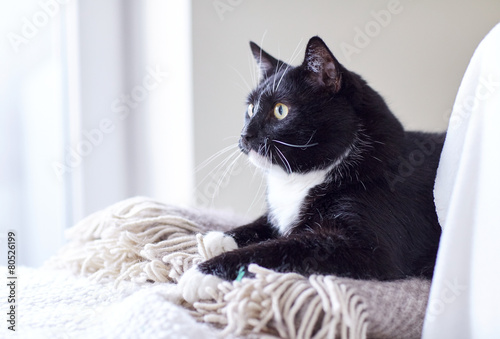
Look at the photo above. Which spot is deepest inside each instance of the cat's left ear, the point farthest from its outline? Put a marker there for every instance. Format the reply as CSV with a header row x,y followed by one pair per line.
x,y
267,64
322,65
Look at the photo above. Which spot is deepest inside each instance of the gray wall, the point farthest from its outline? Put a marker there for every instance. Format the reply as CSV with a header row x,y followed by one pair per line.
x,y
413,52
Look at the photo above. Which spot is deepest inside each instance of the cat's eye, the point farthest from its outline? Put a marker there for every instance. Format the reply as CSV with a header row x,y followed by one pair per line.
x,y
250,110
280,111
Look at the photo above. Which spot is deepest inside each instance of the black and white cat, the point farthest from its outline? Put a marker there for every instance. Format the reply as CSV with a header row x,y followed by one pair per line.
x,y
349,192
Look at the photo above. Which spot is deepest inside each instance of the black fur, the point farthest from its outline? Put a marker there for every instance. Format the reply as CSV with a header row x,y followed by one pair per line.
x,y
374,216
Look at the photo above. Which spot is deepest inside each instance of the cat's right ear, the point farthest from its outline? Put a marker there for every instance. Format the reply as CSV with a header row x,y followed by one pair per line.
x,y
324,69
266,63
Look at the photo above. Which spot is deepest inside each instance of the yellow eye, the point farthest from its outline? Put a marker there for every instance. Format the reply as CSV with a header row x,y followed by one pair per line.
x,y
250,110
280,111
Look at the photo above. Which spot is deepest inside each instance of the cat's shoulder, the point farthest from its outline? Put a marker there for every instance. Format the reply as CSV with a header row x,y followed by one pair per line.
x,y
427,143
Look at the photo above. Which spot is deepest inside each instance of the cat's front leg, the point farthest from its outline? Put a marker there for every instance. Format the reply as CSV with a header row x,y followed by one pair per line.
x,y
196,283
215,243
308,254
255,232
273,254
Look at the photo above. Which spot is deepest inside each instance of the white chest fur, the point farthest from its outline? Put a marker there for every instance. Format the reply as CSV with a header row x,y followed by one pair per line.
x,y
286,194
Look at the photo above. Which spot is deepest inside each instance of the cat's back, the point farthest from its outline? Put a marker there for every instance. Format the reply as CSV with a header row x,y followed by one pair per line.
x,y
419,159
425,145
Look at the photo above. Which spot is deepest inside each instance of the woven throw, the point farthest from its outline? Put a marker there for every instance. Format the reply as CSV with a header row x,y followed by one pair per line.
x,y
147,242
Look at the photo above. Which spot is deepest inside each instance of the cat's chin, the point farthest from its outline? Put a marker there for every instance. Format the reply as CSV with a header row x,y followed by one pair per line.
x,y
259,161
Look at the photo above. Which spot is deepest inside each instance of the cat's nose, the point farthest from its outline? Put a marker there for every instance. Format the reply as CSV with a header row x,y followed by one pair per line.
x,y
245,139
246,136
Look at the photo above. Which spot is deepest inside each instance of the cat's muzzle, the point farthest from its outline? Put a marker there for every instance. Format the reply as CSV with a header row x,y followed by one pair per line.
x,y
244,143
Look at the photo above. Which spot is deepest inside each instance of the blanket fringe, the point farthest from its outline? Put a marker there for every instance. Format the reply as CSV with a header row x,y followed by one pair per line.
x,y
287,305
137,239
145,241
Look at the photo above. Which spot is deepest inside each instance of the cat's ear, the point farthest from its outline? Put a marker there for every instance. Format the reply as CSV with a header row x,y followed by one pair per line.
x,y
323,67
266,63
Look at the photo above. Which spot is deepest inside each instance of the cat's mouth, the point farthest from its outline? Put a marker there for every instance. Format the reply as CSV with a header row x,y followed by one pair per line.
x,y
259,160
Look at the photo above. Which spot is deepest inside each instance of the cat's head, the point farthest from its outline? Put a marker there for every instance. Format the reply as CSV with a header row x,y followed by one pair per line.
x,y
301,118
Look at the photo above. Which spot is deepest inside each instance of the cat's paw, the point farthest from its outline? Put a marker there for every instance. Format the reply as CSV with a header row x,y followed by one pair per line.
x,y
214,243
197,286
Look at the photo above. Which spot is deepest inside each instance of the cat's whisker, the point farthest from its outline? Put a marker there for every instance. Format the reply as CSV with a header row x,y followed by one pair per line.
x,y
242,78
258,193
284,160
275,71
259,151
253,70
257,106
278,71
213,172
236,137
244,91
227,172
266,147
269,154
294,55
310,138
217,154
270,159
259,71
296,146
220,177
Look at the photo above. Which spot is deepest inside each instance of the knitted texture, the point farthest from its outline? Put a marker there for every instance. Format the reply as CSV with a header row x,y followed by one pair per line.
x,y
58,304
145,242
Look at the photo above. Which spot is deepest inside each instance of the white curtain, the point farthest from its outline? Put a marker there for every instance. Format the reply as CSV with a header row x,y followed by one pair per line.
x,y
95,107
465,299
31,130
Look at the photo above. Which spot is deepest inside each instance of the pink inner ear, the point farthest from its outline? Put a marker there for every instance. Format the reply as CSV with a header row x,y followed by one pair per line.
x,y
330,70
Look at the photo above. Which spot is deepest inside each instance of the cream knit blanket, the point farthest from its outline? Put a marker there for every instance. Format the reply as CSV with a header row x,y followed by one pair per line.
x,y
142,242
